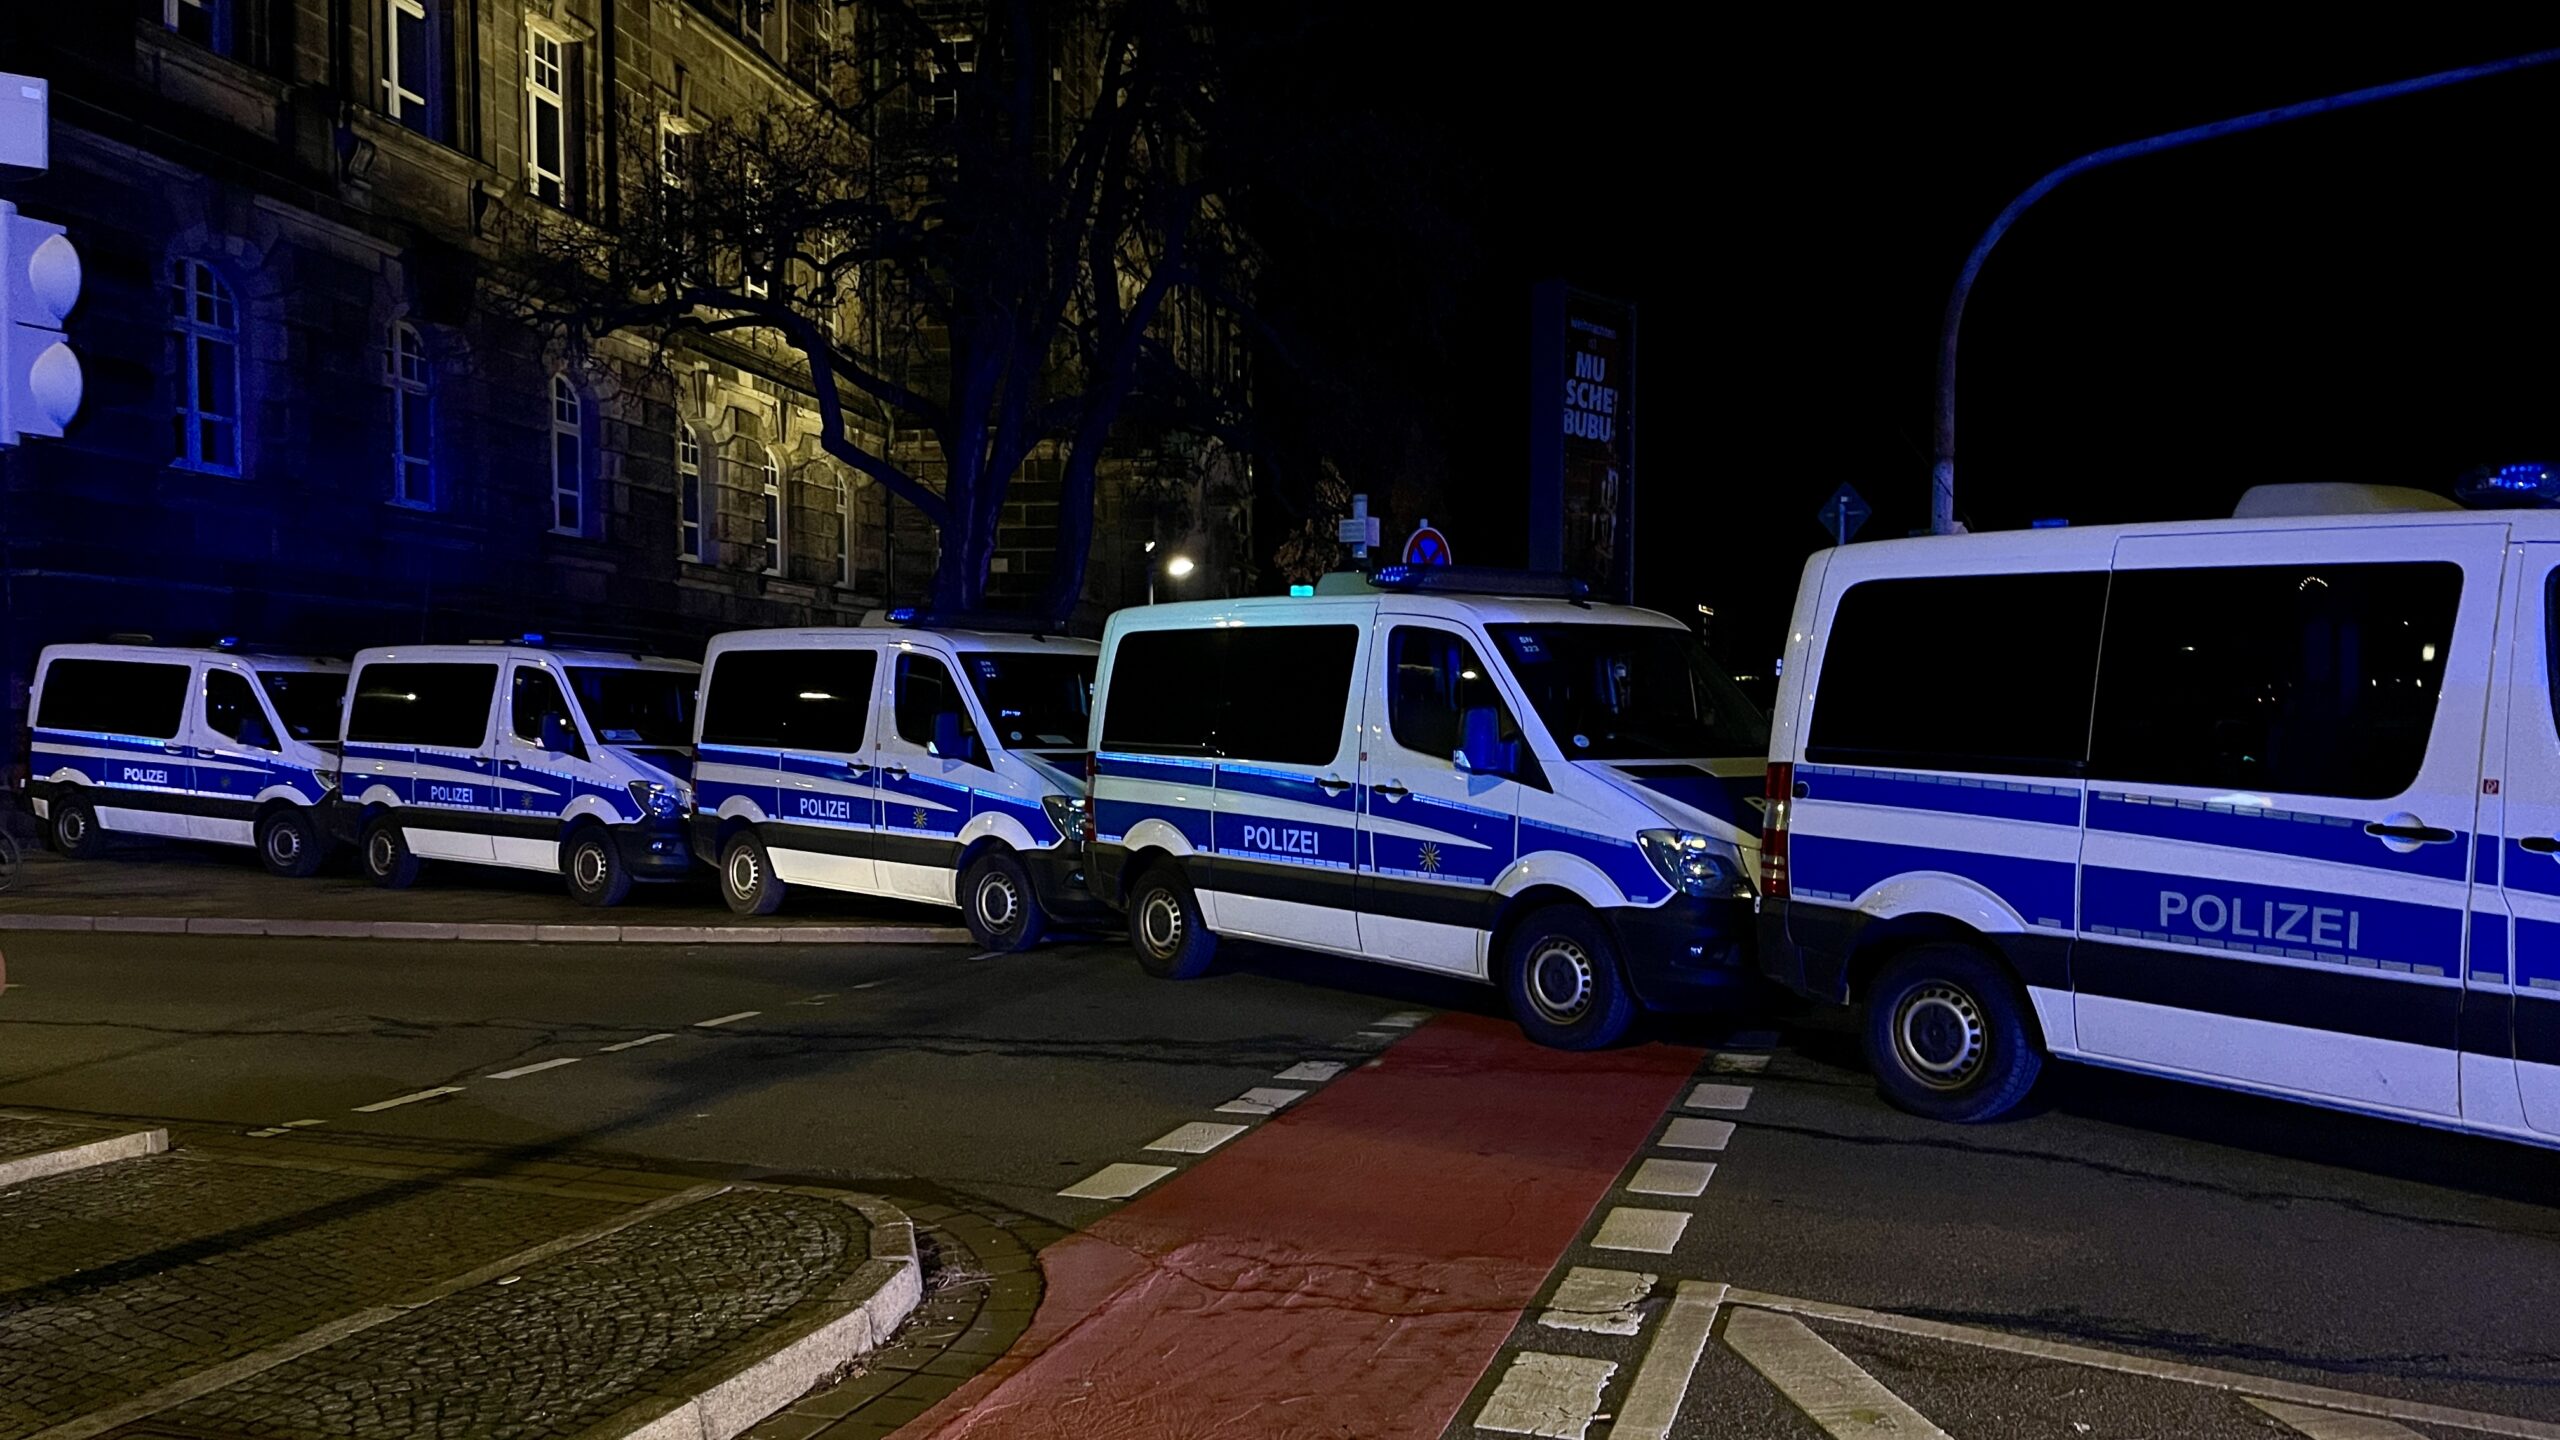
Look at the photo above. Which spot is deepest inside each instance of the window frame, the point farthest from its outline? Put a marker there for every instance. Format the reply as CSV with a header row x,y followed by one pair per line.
x,y
777,549
256,707
571,428
555,96
689,530
411,455
398,99
844,532
219,34
197,284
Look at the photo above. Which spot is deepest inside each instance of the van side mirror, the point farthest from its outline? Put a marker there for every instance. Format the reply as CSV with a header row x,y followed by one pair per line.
x,y
1481,748
951,737
558,735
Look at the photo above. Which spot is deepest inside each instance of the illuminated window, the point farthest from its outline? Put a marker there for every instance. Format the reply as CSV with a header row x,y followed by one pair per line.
x,y
771,474
568,459
406,372
205,326
675,153
206,22
412,92
546,110
688,493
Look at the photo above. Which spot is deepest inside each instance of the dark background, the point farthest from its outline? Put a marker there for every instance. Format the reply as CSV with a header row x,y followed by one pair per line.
x,y
2369,296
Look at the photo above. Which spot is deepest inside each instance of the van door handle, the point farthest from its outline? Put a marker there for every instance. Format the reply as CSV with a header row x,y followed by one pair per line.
x,y
1333,784
2425,834
1391,790
894,772
2541,844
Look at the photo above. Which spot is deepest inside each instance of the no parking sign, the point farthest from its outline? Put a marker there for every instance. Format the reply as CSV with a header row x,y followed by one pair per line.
x,y
1426,546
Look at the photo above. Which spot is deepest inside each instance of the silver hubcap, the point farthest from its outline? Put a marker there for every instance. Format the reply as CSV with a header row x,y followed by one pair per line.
x,y
588,865
998,904
1938,1034
382,853
1160,923
74,827
744,878
1560,981
283,844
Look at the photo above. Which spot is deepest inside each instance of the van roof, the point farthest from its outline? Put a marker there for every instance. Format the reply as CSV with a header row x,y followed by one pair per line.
x,y
1281,609
258,658
2091,542
602,659
883,636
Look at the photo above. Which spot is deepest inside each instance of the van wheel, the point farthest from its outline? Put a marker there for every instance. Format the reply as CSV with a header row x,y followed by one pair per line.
x,y
747,880
75,830
1947,1035
1560,972
597,876
1165,927
1003,913
289,844
388,860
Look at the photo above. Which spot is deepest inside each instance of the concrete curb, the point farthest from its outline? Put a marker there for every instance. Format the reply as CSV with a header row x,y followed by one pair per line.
x,y
487,933
18,1168
853,1320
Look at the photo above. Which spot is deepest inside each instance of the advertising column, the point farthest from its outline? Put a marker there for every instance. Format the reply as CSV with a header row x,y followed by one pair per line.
x,y
1582,438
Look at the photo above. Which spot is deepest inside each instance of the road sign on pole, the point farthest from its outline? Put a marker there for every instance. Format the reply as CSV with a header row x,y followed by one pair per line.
x,y
1360,531
1844,512
1426,545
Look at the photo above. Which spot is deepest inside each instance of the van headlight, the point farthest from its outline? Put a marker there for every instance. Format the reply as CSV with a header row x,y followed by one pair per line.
x,y
1694,865
1066,812
659,801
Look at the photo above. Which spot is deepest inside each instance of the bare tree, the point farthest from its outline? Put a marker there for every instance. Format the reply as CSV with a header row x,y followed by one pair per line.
x,y
1001,223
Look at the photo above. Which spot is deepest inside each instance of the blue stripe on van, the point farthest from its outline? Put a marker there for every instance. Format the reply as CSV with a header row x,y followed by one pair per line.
x,y
1114,819
1492,837
1950,794
2334,839
1258,782
1618,858
1176,769
2488,959
2537,958
1827,867
2484,860
2252,919
2526,870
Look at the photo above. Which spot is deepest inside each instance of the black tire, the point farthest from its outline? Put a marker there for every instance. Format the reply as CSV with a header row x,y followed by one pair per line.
x,y
74,830
597,877
1948,1035
289,843
1165,927
1002,910
747,880
1561,975
388,860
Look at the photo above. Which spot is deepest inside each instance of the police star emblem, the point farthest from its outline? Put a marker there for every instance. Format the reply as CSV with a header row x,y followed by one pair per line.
x,y
1431,857
918,820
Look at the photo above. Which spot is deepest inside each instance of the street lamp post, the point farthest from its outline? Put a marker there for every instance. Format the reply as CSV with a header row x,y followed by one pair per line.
x,y
1173,566
1942,473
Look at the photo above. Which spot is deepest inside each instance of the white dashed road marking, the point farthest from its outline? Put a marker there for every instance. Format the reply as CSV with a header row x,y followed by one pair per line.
x,y
1197,1138
1598,1302
1316,1070
1550,1395
1691,1133
1261,1100
535,1068
636,1044
412,1098
1672,1177
303,1124
1403,1019
1662,1377
1116,1182
1826,1385
726,1019
1654,1232
2330,1425
1737,1064
1719,1097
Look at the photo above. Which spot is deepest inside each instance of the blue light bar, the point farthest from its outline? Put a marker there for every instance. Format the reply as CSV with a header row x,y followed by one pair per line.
x,y
904,614
1300,592
1480,580
532,637
227,642
2509,486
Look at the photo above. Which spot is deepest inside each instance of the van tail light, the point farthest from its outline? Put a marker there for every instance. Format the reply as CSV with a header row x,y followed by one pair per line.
x,y
1773,831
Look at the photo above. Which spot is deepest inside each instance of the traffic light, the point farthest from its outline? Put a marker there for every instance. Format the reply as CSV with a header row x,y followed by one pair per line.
x,y
39,283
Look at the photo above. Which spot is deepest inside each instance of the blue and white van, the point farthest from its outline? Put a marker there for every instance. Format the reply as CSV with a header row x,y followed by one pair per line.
x,y
1474,773
218,744
2271,803
519,755
920,762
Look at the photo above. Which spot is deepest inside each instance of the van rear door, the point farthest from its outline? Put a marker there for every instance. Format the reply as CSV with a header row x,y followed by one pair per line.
x,y
2283,785
2516,974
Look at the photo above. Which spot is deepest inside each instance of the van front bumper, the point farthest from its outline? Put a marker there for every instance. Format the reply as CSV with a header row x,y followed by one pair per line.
x,y
654,850
1688,954
1063,885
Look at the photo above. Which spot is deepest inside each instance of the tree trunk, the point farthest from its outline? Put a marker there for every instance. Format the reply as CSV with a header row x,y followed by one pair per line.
x,y
1075,533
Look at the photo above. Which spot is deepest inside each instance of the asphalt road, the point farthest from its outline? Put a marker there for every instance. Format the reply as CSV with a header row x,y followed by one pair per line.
x,y
2134,1217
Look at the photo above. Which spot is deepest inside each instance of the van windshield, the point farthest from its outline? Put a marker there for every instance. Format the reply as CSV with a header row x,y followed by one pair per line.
x,y
636,707
306,700
1037,702
1631,692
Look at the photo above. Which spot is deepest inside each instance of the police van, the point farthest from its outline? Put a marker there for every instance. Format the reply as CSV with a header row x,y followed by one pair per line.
x,y
2270,802
904,759
1474,773
519,755
222,744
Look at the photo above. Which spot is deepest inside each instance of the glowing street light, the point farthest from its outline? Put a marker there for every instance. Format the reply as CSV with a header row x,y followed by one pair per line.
x,y
1178,566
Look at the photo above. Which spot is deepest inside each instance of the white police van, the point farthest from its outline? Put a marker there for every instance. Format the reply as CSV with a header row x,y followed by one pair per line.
x,y
2270,802
910,759
519,755
1469,772
223,744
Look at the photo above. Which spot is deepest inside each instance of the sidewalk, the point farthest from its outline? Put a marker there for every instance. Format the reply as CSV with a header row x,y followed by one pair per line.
x,y
345,1291
181,889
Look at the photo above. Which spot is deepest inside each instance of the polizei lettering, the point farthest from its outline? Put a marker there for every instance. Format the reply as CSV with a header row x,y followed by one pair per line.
x,y
2270,922
1279,840
137,775
815,808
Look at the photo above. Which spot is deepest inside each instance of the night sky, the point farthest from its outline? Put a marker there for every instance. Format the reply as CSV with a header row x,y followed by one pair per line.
x,y
2373,296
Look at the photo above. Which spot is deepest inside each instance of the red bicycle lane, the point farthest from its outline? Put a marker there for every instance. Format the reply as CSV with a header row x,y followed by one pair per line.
x,y
1349,1268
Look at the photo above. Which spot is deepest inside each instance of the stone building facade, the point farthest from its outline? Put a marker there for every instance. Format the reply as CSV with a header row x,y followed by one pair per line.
x,y
303,425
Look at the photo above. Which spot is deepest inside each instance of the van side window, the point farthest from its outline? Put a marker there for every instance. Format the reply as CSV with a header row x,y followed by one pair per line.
x,y
231,710
790,699
537,695
1433,676
1255,692
1165,693
2303,679
443,704
114,697
926,689
1961,672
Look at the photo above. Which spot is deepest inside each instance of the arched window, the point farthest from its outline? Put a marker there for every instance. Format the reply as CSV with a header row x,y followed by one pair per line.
x,y
206,326
568,458
404,369
688,493
770,473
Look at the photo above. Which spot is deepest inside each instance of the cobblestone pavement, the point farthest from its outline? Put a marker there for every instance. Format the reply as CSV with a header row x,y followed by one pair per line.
x,y
27,1137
